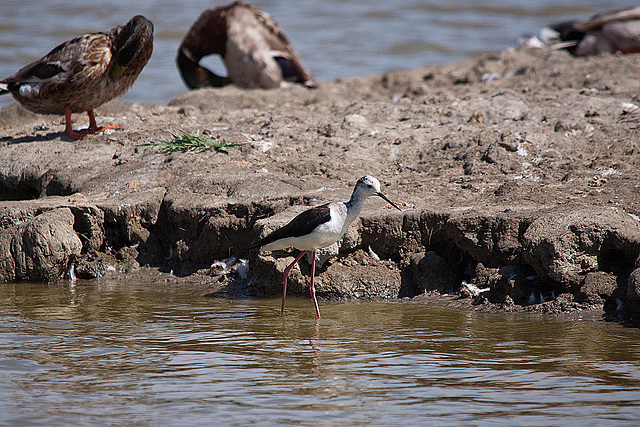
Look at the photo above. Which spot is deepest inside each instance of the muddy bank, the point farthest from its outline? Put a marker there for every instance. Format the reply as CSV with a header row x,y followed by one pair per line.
x,y
517,173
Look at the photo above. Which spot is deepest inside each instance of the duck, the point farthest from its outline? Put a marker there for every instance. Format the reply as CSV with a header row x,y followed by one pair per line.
x,y
252,45
613,31
83,73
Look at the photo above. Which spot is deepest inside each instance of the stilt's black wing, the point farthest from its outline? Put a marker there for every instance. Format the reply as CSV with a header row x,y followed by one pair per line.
x,y
303,223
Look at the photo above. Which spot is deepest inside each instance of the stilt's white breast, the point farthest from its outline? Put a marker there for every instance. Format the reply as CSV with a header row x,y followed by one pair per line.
x,y
322,236
331,231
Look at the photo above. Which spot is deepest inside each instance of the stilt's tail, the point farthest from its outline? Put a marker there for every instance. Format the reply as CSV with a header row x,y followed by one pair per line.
x,y
3,88
244,251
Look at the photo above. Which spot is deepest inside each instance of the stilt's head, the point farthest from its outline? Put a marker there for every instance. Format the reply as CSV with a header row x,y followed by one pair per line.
x,y
369,186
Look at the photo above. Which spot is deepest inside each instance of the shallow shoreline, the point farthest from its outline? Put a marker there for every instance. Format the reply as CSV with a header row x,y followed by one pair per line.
x,y
517,172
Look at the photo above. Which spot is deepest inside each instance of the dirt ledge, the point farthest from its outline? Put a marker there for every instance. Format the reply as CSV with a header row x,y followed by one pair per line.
x,y
518,173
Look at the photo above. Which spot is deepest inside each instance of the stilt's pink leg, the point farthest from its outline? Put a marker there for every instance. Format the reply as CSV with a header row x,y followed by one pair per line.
x,y
286,273
313,289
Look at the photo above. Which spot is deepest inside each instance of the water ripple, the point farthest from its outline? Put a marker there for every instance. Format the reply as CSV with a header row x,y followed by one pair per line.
x,y
129,354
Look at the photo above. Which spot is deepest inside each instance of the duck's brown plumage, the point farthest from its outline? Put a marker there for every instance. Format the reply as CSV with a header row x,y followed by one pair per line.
x,y
84,73
253,46
616,30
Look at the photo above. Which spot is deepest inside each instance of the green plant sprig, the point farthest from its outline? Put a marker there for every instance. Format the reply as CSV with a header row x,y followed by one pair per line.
x,y
188,143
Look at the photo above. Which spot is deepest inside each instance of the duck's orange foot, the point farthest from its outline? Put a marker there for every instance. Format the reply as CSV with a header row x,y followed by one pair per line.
x,y
93,126
88,131
92,129
101,128
73,134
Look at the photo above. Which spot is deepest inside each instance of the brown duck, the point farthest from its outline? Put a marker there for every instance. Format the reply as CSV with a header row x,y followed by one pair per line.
x,y
84,73
616,30
252,45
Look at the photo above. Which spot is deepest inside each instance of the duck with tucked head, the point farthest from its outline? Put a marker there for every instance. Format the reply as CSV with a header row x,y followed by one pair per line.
x,y
252,45
83,73
613,31
616,30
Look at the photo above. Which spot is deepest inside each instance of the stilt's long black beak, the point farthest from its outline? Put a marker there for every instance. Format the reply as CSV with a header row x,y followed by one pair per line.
x,y
389,201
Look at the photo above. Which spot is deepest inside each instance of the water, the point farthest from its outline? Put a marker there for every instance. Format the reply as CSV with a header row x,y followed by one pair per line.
x,y
336,38
118,353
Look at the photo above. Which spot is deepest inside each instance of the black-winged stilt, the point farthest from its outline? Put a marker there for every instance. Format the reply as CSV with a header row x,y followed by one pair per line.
x,y
318,228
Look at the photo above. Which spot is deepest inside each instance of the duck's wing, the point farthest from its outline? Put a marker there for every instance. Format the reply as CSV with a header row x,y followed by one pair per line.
x,y
623,36
59,64
596,22
288,59
206,36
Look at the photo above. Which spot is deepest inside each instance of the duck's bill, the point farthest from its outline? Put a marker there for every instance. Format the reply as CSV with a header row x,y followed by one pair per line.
x,y
389,201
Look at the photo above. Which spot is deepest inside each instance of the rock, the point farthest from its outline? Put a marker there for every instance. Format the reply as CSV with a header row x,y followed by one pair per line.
x,y
358,275
41,249
16,212
267,275
482,274
564,244
355,121
632,303
323,255
431,272
128,258
500,157
89,223
352,238
490,236
131,216
388,234
596,288
90,266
